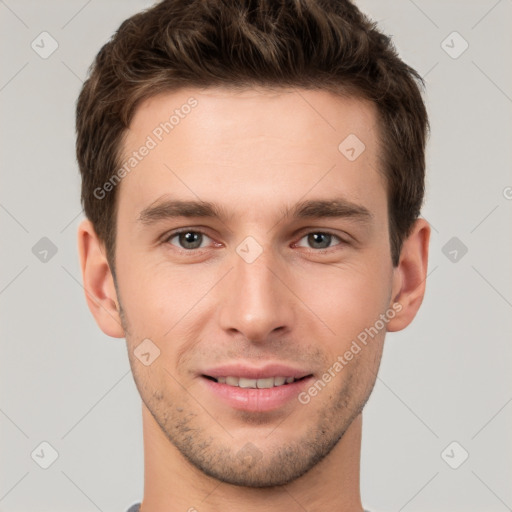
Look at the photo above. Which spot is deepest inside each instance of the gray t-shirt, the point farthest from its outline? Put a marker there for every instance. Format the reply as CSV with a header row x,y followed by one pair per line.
x,y
135,508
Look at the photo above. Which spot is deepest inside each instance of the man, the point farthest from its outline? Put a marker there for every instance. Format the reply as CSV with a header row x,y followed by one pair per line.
x,y
253,174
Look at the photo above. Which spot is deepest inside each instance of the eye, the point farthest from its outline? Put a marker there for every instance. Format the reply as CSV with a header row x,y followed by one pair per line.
x,y
188,239
319,240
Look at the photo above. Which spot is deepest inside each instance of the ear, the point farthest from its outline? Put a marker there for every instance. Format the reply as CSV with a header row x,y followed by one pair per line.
x,y
100,291
410,276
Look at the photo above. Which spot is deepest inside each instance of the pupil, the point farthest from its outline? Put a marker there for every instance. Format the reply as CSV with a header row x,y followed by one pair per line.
x,y
320,240
190,240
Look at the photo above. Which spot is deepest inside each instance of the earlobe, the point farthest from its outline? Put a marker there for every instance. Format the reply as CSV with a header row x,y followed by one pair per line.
x,y
410,276
98,282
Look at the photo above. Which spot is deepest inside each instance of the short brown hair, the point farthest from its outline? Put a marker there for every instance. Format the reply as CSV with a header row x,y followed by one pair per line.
x,y
312,44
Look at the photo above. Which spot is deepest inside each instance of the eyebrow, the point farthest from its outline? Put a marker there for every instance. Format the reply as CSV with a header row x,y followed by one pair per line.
x,y
311,209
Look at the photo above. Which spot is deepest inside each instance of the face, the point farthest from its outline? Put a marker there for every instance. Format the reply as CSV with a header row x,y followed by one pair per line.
x,y
252,256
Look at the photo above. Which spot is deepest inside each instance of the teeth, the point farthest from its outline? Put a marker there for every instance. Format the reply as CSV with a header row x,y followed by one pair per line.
x,y
266,383
247,383
279,381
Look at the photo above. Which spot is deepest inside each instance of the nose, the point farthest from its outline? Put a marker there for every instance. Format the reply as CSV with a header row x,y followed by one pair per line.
x,y
256,301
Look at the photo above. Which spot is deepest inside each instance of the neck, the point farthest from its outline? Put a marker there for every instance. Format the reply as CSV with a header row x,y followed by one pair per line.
x,y
172,484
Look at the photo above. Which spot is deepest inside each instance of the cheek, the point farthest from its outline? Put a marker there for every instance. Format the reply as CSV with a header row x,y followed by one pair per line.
x,y
347,298
156,295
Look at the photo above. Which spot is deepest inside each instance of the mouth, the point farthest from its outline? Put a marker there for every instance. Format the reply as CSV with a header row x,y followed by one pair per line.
x,y
263,383
255,389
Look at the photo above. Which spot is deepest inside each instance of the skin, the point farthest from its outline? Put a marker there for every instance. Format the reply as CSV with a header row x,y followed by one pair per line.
x,y
253,153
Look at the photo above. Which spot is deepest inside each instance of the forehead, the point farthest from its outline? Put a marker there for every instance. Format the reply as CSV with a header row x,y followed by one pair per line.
x,y
252,147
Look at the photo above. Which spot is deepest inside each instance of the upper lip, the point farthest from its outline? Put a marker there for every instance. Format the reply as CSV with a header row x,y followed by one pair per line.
x,y
253,372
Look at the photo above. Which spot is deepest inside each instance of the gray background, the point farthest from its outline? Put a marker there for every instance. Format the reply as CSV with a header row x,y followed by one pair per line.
x,y
446,378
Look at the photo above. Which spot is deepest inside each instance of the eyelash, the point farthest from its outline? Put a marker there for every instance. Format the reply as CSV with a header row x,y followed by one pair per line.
x,y
168,237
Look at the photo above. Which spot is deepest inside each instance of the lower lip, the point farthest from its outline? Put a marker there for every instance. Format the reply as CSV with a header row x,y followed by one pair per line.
x,y
256,400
